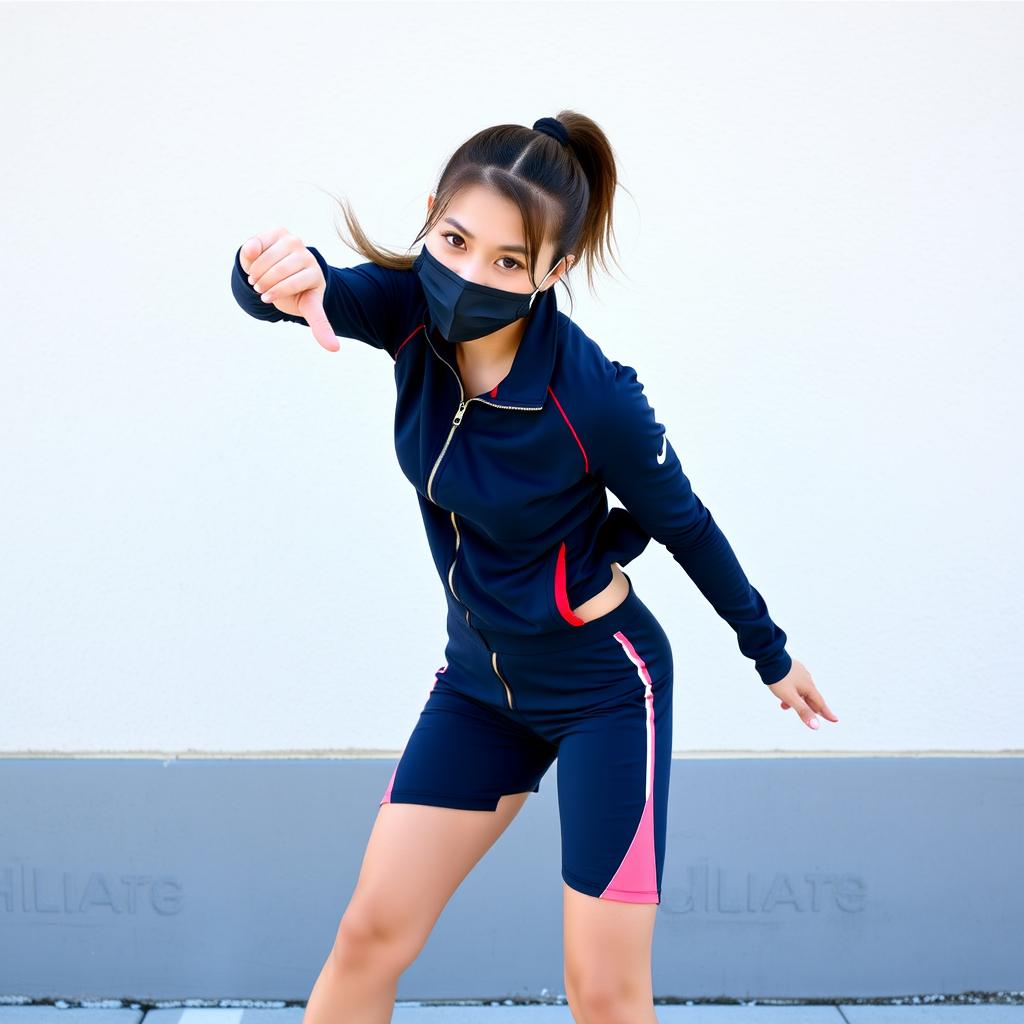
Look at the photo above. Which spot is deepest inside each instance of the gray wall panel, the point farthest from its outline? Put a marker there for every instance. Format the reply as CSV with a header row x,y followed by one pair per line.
x,y
787,877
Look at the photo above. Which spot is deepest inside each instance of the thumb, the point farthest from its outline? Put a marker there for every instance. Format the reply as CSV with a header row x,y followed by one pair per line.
x,y
251,249
311,309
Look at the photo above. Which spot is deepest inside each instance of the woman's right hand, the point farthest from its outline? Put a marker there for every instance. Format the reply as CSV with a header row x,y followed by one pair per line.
x,y
287,275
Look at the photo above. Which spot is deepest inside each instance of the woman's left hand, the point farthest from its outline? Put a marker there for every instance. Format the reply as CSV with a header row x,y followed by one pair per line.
x,y
796,690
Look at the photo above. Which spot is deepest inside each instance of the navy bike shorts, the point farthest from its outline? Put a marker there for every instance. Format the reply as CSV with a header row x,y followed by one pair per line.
x,y
598,698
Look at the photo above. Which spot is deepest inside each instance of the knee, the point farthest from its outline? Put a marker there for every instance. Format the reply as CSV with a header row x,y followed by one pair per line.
x,y
606,1000
369,940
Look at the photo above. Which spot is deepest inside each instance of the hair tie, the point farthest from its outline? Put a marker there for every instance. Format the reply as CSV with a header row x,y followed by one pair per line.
x,y
553,127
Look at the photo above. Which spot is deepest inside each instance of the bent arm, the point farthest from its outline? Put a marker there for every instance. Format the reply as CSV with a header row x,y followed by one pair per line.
x,y
363,302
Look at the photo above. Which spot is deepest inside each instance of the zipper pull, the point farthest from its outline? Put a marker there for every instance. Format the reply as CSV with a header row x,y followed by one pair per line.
x,y
458,414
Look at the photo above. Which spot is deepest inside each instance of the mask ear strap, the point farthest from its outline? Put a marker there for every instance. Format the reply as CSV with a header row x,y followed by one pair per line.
x,y
545,277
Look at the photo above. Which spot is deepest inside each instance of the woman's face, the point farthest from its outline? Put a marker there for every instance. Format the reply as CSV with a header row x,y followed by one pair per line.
x,y
480,237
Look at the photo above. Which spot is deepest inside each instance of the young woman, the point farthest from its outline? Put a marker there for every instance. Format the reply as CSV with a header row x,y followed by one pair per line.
x,y
512,425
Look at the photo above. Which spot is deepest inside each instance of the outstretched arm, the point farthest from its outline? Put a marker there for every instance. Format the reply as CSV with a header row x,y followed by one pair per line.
x,y
631,453
633,456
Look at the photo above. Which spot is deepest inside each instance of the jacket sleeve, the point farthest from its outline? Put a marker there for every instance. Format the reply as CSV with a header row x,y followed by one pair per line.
x,y
361,302
632,455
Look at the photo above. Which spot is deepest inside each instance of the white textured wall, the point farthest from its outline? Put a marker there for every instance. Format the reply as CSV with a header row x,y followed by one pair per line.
x,y
207,543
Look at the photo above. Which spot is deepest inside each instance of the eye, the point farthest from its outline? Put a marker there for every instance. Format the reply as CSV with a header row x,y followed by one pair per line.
x,y
516,265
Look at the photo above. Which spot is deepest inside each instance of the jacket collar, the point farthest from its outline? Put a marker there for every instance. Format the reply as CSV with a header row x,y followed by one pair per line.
x,y
526,383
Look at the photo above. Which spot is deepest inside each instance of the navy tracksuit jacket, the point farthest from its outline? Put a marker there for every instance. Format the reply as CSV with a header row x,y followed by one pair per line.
x,y
511,483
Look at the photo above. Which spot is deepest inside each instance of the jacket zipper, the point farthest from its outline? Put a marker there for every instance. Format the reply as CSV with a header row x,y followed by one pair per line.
x,y
451,568
494,663
460,412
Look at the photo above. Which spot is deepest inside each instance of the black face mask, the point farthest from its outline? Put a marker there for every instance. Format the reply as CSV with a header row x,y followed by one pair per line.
x,y
463,310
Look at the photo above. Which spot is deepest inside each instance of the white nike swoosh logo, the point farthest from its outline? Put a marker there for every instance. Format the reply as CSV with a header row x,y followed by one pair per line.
x,y
661,454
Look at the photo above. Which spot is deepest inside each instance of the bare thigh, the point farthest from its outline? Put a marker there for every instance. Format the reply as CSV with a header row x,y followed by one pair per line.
x,y
608,947
415,859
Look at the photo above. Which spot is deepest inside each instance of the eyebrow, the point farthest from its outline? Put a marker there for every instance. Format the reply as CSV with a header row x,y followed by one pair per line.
x,y
468,234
